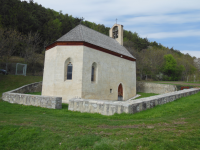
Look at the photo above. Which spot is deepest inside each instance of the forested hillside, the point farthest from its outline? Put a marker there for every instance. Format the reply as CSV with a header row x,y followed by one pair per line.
x,y
27,27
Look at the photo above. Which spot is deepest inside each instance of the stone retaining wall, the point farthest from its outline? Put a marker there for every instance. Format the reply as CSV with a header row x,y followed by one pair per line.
x,y
146,87
17,96
30,88
131,106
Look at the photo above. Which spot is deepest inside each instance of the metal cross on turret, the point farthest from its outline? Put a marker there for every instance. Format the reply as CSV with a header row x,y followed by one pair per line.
x,y
116,20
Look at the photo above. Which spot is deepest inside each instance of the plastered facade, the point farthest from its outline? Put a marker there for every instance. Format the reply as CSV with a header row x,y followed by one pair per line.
x,y
111,71
54,83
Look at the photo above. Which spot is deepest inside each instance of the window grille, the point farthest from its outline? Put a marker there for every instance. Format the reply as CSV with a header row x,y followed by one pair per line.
x,y
92,76
69,71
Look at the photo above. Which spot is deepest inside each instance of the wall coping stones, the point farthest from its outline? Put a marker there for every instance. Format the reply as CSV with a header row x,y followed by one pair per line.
x,y
18,96
106,107
148,87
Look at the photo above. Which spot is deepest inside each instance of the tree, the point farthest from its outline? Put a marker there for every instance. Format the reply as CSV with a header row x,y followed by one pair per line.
x,y
190,69
32,42
52,30
197,63
3,42
171,69
9,39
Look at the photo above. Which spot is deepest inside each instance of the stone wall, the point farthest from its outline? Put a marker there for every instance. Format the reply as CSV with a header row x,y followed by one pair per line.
x,y
18,96
30,88
131,106
146,87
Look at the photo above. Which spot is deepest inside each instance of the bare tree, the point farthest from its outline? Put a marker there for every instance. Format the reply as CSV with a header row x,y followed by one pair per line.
x,y
8,41
3,42
32,46
188,63
197,63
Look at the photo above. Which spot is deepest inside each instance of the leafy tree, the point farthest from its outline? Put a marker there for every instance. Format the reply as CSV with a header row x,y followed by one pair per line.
x,y
52,30
171,69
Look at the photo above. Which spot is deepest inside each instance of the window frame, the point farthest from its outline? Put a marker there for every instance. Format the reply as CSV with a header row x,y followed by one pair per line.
x,y
69,71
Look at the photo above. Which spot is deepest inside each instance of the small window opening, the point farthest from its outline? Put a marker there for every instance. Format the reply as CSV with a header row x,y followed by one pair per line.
x,y
110,90
69,71
94,73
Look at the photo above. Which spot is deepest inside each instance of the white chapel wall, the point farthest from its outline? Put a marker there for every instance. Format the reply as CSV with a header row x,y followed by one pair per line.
x,y
53,78
111,71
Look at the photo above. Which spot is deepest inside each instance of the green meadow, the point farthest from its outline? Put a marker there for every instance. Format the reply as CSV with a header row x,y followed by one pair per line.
x,y
175,125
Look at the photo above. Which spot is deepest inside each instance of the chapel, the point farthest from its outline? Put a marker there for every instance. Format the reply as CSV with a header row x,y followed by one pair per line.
x,y
87,64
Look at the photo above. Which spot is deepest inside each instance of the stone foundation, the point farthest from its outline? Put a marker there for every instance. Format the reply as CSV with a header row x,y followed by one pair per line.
x,y
131,106
17,96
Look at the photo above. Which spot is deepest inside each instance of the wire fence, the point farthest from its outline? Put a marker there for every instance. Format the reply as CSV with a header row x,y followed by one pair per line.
x,y
22,69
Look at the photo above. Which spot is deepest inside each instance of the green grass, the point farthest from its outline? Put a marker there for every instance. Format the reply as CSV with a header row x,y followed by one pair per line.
x,y
174,125
184,83
35,93
171,126
140,93
10,82
192,82
145,95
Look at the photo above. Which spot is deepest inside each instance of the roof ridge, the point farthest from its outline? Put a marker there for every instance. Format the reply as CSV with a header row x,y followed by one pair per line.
x,y
81,32
103,34
97,31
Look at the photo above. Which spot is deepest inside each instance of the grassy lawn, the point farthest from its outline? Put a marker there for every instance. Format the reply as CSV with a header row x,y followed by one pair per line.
x,y
10,82
35,93
179,83
145,95
192,82
140,93
175,125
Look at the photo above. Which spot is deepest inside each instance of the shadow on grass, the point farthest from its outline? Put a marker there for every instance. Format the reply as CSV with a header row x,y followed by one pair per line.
x,y
64,106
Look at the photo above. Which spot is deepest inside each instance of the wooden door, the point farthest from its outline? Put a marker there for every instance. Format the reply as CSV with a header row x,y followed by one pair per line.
x,y
120,92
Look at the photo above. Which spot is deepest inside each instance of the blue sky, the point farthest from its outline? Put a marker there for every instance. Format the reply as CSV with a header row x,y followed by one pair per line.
x,y
173,23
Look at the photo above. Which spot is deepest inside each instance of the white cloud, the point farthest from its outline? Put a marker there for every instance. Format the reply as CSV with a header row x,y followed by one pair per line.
x,y
104,9
161,35
166,19
192,53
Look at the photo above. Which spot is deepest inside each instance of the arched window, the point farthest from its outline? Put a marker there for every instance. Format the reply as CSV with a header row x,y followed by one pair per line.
x,y
94,72
69,71
115,32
